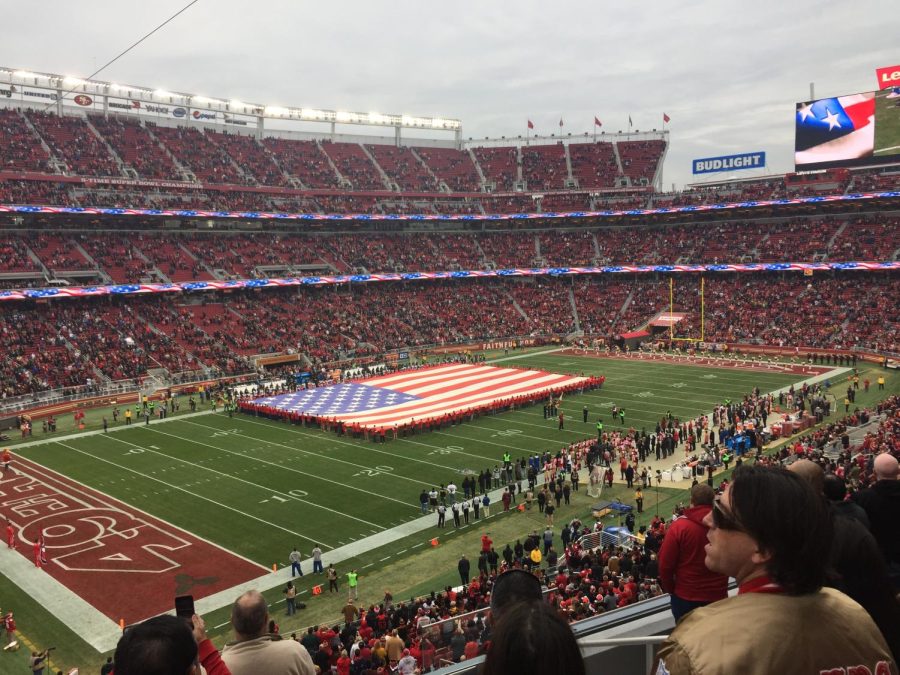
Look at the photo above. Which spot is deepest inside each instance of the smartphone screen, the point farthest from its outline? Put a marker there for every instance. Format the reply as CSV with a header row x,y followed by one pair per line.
x,y
184,606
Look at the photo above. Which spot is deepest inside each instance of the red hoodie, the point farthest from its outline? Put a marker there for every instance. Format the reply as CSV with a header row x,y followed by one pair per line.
x,y
682,570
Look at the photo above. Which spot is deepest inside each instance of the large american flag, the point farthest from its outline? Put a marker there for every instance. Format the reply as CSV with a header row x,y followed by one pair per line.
x,y
418,395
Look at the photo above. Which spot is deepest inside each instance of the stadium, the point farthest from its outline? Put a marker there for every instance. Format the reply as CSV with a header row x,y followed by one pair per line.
x,y
227,339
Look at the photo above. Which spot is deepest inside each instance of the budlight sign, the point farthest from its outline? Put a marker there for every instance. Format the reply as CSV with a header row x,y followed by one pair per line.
x,y
747,160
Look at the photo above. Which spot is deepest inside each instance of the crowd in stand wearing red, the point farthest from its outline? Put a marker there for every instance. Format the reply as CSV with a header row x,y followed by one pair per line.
x,y
49,346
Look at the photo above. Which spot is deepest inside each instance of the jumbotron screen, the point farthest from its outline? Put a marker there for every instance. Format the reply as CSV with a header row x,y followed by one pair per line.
x,y
852,130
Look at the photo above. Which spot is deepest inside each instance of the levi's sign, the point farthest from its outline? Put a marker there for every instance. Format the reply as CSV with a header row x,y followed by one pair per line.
x,y
888,77
747,160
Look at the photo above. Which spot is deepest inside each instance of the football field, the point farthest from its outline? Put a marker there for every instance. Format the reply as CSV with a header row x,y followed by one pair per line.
x,y
207,503
256,487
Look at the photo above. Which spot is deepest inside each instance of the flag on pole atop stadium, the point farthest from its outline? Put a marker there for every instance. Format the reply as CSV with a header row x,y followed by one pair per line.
x,y
560,122
419,395
629,121
597,122
834,129
530,124
666,118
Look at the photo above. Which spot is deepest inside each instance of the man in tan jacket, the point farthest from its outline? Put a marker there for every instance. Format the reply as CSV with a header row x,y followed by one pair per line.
x,y
394,647
771,532
254,651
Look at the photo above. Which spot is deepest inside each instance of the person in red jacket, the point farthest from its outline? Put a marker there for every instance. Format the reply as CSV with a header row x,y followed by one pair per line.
x,y
682,570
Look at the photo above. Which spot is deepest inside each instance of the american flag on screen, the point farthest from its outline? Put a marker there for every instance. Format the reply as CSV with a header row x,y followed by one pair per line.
x,y
400,398
835,129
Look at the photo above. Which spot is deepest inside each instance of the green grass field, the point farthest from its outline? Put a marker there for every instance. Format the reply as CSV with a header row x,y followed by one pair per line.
x,y
258,488
887,124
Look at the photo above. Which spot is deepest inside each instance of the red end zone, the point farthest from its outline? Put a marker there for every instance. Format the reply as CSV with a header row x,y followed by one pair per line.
x,y
122,561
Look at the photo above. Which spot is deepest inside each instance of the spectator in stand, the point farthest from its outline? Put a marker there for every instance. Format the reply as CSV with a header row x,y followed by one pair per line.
x,y
855,563
532,638
771,532
881,502
513,587
682,571
165,645
256,651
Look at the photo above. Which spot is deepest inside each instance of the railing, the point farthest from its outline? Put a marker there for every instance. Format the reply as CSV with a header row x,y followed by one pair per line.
x,y
17,404
602,538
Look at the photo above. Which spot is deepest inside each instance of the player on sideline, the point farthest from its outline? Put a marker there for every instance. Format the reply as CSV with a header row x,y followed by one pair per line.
x,y
10,534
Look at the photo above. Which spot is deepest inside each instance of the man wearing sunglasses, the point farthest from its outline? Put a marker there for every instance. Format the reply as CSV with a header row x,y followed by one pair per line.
x,y
772,533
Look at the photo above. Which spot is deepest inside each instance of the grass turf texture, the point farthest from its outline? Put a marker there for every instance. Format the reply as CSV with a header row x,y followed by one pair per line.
x,y
188,473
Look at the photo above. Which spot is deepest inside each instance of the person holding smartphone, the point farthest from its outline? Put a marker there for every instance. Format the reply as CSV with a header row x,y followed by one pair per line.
x,y
168,644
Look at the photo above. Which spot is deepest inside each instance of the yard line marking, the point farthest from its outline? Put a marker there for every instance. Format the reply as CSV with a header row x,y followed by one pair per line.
x,y
383,559
331,458
302,434
175,487
417,545
284,468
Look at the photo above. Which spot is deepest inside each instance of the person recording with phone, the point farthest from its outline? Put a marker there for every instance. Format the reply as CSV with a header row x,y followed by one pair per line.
x,y
168,645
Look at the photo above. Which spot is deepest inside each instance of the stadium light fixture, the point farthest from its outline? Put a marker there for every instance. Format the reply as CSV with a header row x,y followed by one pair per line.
x,y
74,81
162,93
24,73
234,103
275,110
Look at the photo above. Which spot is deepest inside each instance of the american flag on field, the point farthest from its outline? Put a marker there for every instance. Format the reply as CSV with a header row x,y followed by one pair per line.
x,y
418,395
835,129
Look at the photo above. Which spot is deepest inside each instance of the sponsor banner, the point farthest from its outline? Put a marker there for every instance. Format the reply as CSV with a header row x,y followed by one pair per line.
x,y
137,107
888,77
83,100
179,112
746,160
239,120
204,115
27,93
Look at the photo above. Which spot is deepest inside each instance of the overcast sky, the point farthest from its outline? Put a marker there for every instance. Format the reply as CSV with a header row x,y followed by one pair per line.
x,y
727,73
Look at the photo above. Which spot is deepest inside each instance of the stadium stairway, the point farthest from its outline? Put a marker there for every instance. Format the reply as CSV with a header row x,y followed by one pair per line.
x,y
477,167
574,311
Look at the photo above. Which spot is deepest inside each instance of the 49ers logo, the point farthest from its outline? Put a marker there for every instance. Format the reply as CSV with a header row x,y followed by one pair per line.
x,y
83,99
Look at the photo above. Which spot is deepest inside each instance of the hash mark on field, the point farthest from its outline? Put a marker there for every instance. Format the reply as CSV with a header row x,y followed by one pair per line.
x,y
402,552
369,565
417,545
383,559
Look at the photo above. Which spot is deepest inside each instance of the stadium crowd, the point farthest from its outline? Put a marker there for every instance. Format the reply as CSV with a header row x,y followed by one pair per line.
x,y
360,322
